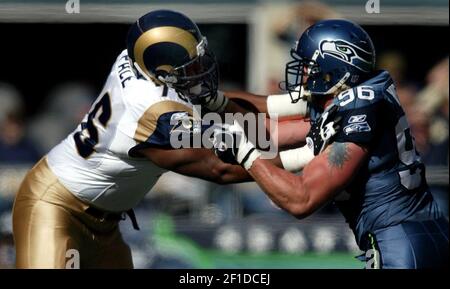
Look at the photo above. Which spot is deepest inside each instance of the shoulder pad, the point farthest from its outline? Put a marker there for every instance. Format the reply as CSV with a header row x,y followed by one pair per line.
x,y
148,122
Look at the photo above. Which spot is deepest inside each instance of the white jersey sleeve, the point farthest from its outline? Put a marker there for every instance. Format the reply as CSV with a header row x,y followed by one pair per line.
x,y
97,162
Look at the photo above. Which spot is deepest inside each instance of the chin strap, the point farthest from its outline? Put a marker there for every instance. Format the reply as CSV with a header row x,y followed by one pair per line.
x,y
335,90
141,71
338,86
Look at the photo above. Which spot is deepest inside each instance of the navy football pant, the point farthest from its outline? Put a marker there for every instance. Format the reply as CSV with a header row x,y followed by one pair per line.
x,y
411,245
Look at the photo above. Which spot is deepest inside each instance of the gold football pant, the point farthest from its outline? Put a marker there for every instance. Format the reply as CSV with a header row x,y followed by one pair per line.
x,y
50,223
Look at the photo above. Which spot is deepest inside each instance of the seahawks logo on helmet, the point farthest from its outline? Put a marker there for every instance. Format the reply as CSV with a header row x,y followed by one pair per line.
x,y
347,52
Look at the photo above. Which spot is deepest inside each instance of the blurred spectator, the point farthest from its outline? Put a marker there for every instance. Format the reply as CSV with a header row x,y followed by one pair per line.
x,y
427,109
66,106
420,127
15,147
432,106
286,30
10,100
395,63
430,125
300,17
434,97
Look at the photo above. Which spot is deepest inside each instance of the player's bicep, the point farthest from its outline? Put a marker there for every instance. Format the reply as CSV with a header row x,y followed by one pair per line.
x,y
329,173
200,163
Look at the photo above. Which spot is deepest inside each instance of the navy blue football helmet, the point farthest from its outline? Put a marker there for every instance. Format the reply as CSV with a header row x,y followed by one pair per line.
x,y
329,56
168,48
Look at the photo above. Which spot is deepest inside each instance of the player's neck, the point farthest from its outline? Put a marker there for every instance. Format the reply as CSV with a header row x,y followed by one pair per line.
x,y
324,102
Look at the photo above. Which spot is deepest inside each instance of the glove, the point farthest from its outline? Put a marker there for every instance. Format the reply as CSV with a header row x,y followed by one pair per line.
x,y
231,145
223,141
323,129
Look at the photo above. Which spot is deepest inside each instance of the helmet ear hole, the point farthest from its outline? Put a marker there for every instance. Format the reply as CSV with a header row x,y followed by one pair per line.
x,y
327,77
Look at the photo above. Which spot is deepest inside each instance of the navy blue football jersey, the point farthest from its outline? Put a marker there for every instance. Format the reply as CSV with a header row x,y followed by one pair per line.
x,y
390,187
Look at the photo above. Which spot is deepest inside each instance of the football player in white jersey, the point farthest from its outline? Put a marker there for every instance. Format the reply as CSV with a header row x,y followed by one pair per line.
x,y
74,197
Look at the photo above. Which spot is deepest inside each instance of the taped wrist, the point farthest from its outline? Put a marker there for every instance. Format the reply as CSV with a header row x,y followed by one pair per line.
x,y
252,155
218,103
296,159
281,105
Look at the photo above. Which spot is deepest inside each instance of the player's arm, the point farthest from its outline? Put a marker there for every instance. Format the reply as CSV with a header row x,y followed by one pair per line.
x,y
249,101
232,144
331,170
289,133
275,106
199,163
285,133
325,176
288,129
165,121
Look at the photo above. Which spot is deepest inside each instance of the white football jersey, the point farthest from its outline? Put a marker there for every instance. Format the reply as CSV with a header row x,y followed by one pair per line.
x,y
96,161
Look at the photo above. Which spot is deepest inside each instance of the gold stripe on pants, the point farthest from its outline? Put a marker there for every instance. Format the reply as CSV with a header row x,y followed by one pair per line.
x,y
49,221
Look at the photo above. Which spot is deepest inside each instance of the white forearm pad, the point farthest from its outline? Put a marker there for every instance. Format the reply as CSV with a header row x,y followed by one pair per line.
x,y
282,105
296,159
219,103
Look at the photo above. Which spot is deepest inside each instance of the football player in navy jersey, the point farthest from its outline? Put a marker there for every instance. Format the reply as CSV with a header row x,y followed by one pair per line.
x,y
370,168
70,203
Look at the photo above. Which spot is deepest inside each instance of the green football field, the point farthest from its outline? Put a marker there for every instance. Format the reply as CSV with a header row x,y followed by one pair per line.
x,y
170,244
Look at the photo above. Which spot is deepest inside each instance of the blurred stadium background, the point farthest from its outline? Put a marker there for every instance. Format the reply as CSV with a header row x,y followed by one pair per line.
x,y
54,64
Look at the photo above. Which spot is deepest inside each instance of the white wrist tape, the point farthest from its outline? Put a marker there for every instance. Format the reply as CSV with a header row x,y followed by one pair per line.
x,y
282,105
219,103
247,164
296,159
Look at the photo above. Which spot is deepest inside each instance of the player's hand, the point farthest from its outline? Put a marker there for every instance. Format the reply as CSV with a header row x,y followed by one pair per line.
x,y
323,130
232,146
223,142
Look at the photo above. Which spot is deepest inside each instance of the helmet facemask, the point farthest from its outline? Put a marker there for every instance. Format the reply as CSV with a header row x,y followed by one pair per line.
x,y
306,80
297,74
